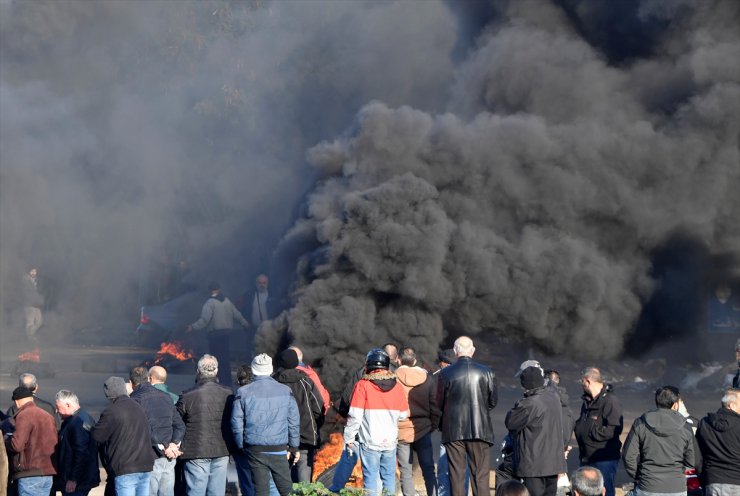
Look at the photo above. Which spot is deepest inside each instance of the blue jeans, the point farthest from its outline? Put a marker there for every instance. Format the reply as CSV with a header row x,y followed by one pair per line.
x,y
34,486
162,481
374,462
425,453
608,469
136,484
344,469
206,476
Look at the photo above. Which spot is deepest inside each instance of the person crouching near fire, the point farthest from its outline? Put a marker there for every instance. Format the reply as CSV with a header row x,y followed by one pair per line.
x,y
378,403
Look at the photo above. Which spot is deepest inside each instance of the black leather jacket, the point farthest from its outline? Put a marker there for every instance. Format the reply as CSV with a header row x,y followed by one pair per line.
x,y
467,393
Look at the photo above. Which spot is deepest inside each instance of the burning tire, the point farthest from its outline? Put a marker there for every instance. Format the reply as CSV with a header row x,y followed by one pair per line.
x,y
327,476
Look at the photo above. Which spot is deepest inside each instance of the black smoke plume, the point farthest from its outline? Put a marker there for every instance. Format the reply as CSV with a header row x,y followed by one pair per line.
x,y
535,205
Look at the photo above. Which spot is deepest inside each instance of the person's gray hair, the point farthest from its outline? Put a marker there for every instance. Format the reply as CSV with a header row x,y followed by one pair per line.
x,y
587,481
28,380
208,366
66,396
592,374
731,395
464,346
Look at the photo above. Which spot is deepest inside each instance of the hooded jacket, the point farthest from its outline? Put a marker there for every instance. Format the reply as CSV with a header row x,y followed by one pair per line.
x,y
535,427
308,399
205,409
311,373
599,426
467,393
657,450
77,453
218,313
718,436
378,403
31,447
419,387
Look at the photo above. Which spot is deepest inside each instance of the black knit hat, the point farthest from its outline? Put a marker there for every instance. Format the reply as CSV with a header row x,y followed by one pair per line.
x,y
22,392
288,359
532,378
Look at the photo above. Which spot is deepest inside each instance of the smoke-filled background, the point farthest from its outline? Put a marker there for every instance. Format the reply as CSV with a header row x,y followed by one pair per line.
x,y
562,173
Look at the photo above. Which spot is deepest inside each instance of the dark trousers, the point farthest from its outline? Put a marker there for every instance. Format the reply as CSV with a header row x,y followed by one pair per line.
x,y
541,486
479,460
263,466
303,470
218,346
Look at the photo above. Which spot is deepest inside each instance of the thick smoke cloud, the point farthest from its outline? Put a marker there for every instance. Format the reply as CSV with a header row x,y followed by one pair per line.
x,y
138,134
532,206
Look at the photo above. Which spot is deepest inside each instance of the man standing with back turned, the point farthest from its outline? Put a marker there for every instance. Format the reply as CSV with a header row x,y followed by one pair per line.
x,y
217,318
467,393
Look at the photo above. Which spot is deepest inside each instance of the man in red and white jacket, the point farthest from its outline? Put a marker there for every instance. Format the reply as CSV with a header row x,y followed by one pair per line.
x,y
378,403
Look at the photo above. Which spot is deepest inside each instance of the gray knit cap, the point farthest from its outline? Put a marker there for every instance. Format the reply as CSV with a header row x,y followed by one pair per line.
x,y
114,387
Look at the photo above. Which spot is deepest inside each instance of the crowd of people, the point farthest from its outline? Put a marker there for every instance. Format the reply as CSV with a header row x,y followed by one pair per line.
x,y
152,441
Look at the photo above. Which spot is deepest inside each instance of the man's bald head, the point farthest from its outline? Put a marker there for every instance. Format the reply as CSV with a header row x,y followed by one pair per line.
x,y
157,375
464,347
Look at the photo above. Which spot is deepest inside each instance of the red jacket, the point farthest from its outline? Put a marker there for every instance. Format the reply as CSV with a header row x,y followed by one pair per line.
x,y
31,446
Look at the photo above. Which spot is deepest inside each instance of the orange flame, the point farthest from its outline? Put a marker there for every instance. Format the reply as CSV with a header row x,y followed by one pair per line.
x,y
31,356
329,455
175,350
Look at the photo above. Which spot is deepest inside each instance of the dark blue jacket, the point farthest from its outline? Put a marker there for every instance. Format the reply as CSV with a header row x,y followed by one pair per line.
x,y
165,423
265,416
77,453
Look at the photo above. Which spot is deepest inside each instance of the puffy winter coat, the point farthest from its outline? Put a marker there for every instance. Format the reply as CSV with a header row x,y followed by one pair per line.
x,y
536,429
599,426
205,409
467,393
424,414
657,450
123,430
308,399
32,445
265,417
719,441
77,453
378,403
